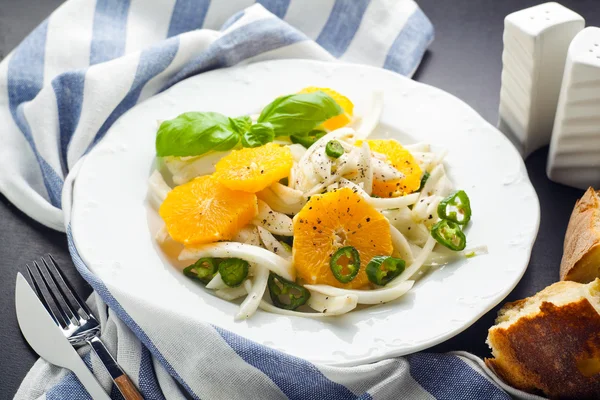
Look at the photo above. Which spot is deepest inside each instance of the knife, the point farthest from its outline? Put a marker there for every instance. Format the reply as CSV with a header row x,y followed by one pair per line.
x,y
47,339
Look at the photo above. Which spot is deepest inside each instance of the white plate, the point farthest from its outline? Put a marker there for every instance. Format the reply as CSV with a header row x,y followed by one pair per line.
x,y
113,226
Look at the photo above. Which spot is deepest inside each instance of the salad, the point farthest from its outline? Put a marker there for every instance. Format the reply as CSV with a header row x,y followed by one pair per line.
x,y
297,212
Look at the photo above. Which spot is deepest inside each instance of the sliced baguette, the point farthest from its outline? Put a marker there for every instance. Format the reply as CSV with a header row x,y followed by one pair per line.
x,y
581,250
550,343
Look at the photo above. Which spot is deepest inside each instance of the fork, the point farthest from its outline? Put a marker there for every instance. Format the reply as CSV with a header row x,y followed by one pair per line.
x,y
75,319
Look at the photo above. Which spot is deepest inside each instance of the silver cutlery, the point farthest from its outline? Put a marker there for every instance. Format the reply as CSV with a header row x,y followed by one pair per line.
x,y
76,322
46,338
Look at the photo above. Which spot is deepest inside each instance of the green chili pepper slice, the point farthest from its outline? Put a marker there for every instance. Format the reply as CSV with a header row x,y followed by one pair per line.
x,y
302,139
345,264
334,149
456,208
233,271
203,270
307,139
286,294
423,181
286,246
449,234
381,270
289,240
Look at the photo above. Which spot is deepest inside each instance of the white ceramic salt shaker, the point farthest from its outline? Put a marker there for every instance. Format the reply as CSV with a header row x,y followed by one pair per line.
x,y
536,41
574,156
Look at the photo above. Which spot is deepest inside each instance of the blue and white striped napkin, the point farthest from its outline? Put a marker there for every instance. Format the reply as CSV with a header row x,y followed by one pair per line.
x,y
90,62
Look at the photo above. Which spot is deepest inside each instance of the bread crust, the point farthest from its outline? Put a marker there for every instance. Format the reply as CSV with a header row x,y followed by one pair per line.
x,y
581,250
554,351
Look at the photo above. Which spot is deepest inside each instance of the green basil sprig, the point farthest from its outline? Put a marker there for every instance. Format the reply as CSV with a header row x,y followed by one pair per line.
x,y
197,133
258,134
241,124
297,113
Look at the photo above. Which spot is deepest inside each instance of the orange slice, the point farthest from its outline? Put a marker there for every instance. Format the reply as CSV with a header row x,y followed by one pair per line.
x,y
253,169
334,220
401,159
204,211
339,120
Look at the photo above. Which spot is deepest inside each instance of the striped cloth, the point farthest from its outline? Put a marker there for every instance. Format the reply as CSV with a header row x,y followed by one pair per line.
x,y
91,61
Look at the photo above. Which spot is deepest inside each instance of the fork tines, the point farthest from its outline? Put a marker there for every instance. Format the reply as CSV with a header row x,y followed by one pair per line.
x,y
56,293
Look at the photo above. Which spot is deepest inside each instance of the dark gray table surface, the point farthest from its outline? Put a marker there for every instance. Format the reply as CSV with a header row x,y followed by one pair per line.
x,y
464,59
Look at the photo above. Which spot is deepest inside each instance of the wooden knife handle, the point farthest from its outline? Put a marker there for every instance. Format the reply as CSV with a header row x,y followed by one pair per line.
x,y
127,388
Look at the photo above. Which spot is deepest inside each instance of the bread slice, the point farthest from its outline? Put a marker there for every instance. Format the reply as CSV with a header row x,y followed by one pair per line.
x,y
581,252
550,343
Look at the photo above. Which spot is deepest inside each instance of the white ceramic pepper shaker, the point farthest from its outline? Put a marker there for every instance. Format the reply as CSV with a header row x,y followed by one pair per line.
x,y
536,41
574,156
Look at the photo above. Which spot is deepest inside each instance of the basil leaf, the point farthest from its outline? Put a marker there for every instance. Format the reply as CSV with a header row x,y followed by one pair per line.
x,y
195,133
259,134
241,124
298,113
